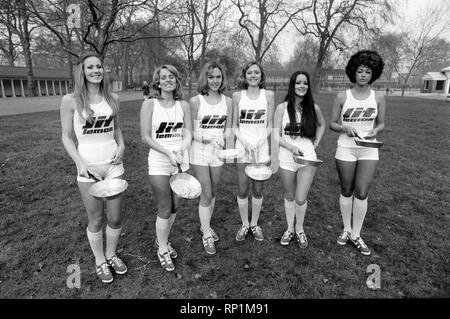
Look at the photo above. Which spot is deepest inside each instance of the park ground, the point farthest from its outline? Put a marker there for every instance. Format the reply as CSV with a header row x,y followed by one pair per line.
x,y
43,223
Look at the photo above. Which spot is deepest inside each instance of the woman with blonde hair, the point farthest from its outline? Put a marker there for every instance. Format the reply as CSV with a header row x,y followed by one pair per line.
x,y
91,114
211,116
166,128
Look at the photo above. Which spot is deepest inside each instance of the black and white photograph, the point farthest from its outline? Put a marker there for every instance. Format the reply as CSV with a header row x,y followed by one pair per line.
x,y
224,158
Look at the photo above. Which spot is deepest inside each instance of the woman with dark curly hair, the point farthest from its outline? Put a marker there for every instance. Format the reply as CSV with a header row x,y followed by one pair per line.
x,y
357,112
299,126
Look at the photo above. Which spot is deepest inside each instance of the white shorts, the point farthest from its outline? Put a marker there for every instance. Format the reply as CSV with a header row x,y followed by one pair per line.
x,y
160,165
103,171
204,155
262,154
353,154
293,166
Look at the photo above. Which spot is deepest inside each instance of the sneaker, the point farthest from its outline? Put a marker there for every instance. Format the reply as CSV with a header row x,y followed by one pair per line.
x,y
104,273
286,238
360,245
242,233
173,253
302,240
213,234
343,238
117,265
208,244
257,232
166,261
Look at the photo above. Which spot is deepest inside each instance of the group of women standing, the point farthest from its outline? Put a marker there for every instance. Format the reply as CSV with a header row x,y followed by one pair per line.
x,y
183,135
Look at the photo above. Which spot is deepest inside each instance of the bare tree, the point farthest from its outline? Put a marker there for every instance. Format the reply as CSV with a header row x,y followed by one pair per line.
x,y
16,16
328,20
264,20
8,43
421,35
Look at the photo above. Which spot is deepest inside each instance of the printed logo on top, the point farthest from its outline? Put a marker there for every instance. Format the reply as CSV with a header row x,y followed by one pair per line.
x,y
169,130
100,124
252,117
359,114
213,122
292,130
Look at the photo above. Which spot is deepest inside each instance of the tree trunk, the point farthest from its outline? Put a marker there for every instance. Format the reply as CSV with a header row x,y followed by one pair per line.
x,y
25,41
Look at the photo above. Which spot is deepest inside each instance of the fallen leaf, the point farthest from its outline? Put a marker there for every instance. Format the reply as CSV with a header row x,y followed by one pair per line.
x,y
325,280
246,266
123,234
119,250
188,239
197,276
179,276
250,283
213,295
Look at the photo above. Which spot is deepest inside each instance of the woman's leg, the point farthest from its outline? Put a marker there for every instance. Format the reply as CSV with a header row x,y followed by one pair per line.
x,y
346,171
365,171
288,178
305,177
204,209
94,209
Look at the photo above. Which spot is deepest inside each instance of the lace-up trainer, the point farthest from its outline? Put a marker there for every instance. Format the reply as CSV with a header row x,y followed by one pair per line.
x,y
213,234
361,246
286,238
343,238
117,265
242,233
257,232
104,273
208,244
173,253
166,261
302,240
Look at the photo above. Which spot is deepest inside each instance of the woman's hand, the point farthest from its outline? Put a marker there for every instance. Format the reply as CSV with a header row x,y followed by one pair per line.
x,y
350,131
82,169
296,150
372,134
117,156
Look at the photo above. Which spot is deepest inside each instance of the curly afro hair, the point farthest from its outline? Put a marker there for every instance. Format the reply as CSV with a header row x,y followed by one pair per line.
x,y
370,59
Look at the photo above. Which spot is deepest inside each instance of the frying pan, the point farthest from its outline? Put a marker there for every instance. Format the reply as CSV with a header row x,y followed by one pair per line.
x,y
257,171
107,187
309,162
185,185
231,153
366,142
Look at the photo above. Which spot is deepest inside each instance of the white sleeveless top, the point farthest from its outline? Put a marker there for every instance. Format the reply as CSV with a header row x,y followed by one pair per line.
x,y
358,114
167,125
293,137
253,115
211,118
96,142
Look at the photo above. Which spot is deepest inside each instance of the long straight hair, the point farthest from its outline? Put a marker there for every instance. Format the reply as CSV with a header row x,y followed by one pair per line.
x,y
81,91
308,123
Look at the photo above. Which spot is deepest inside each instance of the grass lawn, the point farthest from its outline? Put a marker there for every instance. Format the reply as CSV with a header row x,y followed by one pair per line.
x,y
43,222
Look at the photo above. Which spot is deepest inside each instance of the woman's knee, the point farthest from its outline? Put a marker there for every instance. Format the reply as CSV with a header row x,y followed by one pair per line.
x,y
361,193
115,221
347,190
165,209
95,220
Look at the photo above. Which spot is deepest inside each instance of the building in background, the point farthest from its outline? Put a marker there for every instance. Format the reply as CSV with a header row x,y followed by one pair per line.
x,y
13,81
436,82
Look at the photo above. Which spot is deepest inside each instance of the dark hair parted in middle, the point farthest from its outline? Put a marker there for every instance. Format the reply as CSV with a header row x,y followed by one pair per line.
x,y
308,123
207,69
370,59
242,81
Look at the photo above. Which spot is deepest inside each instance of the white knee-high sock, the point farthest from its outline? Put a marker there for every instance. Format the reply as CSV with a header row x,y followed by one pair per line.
x,y
213,203
243,209
300,212
256,210
359,212
112,239
96,243
345,204
289,209
162,233
205,218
